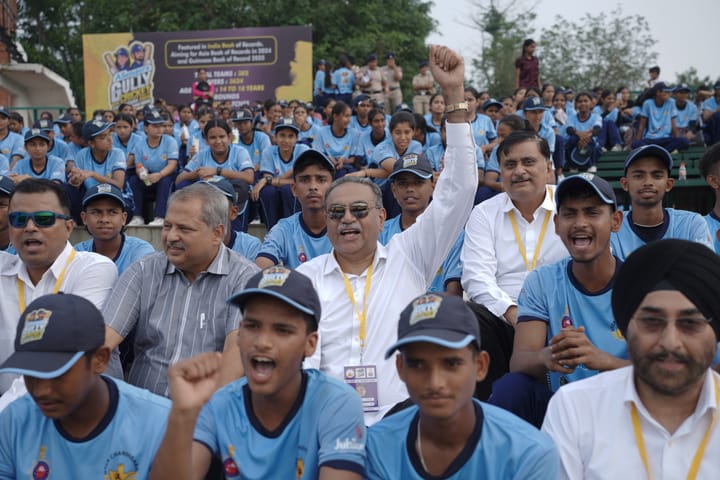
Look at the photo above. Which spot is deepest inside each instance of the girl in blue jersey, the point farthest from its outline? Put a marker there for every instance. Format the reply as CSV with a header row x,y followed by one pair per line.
x,y
272,117
426,135
548,93
482,126
124,138
437,110
582,129
337,141
38,164
369,140
609,137
359,121
558,110
307,129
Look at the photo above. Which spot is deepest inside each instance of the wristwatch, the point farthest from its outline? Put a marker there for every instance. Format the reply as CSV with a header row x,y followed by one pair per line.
x,y
268,179
454,107
218,171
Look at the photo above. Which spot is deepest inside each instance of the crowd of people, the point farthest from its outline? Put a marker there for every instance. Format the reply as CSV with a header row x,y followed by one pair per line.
x,y
412,311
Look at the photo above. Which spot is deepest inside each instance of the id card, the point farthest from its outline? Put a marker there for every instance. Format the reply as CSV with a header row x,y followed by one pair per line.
x,y
363,378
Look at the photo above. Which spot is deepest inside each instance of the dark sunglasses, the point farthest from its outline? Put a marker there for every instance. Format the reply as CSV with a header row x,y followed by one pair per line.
x,y
42,219
358,210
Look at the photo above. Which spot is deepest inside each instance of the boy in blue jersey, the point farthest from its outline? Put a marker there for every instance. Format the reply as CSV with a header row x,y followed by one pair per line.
x,y
11,143
38,164
710,170
710,115
687,114
58,147
563,332
74,423
254,141
302,236
279,421
412,184
657,121
7,187
647,180
448,434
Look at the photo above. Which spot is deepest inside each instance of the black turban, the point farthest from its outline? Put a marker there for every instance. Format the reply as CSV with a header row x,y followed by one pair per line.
x,y
691,268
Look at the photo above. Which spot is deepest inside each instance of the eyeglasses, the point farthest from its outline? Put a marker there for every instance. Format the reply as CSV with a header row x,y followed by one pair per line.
x,y
359,210
693,325
42,219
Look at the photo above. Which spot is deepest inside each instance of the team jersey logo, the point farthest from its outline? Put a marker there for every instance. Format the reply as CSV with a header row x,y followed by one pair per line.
x,y
566,320
231,469
616,333
120,466
41,471
35,324
299,468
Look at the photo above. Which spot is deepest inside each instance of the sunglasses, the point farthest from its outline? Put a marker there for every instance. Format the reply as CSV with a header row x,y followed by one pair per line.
x,y
42,219
358,210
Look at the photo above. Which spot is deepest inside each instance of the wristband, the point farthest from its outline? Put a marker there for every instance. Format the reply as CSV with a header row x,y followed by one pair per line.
x,y
454,107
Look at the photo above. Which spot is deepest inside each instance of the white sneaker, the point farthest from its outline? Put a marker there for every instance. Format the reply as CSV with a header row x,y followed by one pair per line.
x,y
136,221
616,148
157,222
592,169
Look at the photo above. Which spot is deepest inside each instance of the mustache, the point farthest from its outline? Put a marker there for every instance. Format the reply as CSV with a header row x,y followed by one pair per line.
x,y
664,355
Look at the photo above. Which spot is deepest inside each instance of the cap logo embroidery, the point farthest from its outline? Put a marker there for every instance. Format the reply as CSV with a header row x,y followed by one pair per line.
x,y
425,308
36,131
410,161
104,188
587,176
274,277
35,324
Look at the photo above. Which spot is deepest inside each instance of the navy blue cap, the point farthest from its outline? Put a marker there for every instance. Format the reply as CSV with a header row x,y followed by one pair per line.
x,y
360,98
655,151
92,129
390,55
313,156
288,124
438,319
4,111
64,119
153,117
601,187
288,285
372,57
717,85
224,185
416,163
7,186
683,87
53,333
136,48
36,133
664,87
44,124
403,107
103,190
533,103
122,51
242,115
490,102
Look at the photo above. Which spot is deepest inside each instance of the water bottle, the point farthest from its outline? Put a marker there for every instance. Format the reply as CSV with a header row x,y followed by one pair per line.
x,y
184,132
682,172
143,173
235,136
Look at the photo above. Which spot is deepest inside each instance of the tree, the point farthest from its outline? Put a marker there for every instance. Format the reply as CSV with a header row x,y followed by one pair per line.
x,y
606,50
51,30
693,79
503,30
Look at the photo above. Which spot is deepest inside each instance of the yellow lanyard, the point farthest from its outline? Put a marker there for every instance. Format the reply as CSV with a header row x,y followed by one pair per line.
x,y
695,465
56,288
520,244
362,315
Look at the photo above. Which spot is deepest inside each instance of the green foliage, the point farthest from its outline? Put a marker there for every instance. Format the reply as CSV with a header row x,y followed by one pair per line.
x,y
693,79
51,30
608,49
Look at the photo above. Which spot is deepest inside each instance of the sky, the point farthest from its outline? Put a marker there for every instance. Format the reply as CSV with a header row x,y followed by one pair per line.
x,y
680,44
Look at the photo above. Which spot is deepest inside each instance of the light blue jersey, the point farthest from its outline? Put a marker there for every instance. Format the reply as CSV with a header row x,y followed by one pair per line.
x,y
309,135
73,149
273,164
366,146
291,243
156,158
450,269
336,147
259,143
689,113
123,445
131,143
659,123
680,224
713,223
114,161
237,161
59,148
386,152
12,145
319,83
435,155
501,447
54,169
344,80
483,129
711,104
132,249
359,129
245,244
325,427
594,120
4,165
553,295
431,139
549,135
493,165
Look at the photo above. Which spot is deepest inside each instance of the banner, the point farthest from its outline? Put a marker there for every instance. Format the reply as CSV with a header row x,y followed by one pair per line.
x,y
245,65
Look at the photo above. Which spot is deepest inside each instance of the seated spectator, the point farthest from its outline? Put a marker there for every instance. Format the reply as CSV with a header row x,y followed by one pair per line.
x,y
302,236
534,112
74,422
710,116
657,121
7,187
124,138
307,129
11,143
337,141
253,141
426,135
279,421
687,119
563,333
659,414
58,147
609,137
437,110
710,170
38,163
491,108
16,123
647,179
359,120
368,141
483,127
440,359
582,149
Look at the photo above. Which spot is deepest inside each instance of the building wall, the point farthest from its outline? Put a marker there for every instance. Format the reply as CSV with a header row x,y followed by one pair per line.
x,y
8,25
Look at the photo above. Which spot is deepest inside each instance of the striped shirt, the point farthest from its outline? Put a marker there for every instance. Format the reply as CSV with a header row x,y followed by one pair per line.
x,y
176,319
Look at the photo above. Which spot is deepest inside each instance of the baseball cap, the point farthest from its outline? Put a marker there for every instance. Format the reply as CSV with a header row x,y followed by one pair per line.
x,y
390,55
416,163
64,119
4,111
122,51
655,151
153,117
683,87
664,87
289,124
103,190
7,186
53,333
372,57
601,187
36,133
313,156
136,48
490,102
533,103
224,185
439,319
44,124
242,115
280,282
92,129
361,98
717,85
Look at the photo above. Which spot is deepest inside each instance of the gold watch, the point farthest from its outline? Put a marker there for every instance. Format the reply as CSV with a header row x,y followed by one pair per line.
x,y
454,107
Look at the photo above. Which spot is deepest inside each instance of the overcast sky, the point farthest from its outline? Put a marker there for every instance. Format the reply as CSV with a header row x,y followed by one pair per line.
x,y
685,31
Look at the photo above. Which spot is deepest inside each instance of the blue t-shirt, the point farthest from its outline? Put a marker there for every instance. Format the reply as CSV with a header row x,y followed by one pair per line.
x,y
54,169
237,161
291,243
131,143
435,154
4,165
59,148
122,446
386,150
549,135
157,158
594,120
677,224
689,113
273,164
360,129
259,143
553,295
344,80
337,147
132,249
245,244
501,447
325,427
319,83
483,129
309,135
115,160
713,223
366,147
493,165
431,139
73,149
659,123
711,104
13,144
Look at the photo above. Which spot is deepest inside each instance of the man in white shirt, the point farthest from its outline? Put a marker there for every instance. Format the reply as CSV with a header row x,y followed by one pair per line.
x,y
656,418
40,226
363,285
506,237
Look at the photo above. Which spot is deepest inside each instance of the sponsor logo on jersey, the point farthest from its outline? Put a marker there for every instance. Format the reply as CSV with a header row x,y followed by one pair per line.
x,y
120,465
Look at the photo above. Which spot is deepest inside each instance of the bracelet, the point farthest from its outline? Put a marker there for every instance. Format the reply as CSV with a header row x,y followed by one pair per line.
x,y
454,107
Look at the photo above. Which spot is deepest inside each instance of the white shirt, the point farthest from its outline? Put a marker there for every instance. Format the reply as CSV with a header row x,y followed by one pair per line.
x,y
493,269
402,270
89,275
591,425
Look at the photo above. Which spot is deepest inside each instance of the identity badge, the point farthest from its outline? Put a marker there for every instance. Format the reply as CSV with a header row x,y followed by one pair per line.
x,y
363,378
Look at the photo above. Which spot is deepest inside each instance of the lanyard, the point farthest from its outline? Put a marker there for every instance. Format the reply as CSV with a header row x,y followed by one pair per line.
x,y
56,288
362,315
520,244
695,465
